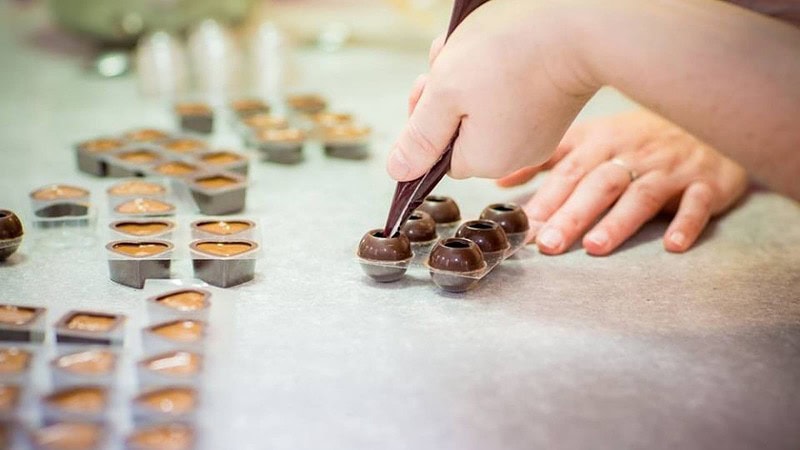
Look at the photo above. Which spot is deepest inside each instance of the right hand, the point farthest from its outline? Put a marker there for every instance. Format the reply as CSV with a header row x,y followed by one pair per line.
x,y
509,78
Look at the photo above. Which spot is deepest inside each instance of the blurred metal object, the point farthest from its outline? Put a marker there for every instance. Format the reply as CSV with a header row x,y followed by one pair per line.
x,y
124,21
270,62
113,63
161,65
215,59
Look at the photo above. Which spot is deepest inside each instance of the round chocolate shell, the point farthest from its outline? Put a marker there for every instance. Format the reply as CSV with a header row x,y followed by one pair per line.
x,y
508,215
420,227
444,210
490,236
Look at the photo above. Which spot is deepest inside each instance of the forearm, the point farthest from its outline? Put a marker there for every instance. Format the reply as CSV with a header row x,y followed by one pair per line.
x,y
729,76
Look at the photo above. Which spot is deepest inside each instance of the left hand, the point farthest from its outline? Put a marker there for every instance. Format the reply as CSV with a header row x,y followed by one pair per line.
x,y
637,164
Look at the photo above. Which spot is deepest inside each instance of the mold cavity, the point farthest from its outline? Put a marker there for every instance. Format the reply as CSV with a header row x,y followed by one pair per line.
x,y
482,225
3,214
436,199
503,208
457,243
415,216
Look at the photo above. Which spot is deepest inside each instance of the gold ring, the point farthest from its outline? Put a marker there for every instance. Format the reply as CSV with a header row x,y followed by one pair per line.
x,y
620,163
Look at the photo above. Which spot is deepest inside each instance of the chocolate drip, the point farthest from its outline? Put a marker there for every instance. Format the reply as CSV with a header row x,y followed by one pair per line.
x,y
409,194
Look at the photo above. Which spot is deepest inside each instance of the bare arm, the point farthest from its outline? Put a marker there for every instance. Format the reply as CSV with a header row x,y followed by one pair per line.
x,y
725,74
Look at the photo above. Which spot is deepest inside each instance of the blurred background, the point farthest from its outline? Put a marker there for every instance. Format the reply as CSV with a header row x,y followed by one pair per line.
x,y
215,48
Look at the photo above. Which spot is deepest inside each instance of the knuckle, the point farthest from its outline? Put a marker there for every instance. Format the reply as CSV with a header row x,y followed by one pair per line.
x,y
609,186
647,194
703,194
570,169
418,139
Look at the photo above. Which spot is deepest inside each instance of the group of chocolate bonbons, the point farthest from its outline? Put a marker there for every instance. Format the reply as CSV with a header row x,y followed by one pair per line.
x,y
456,263
84,374
223,251
280,139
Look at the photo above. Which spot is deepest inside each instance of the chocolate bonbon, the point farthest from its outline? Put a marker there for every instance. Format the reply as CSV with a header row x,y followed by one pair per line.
x,y
11,233
384,259
512,218
455,264
489,236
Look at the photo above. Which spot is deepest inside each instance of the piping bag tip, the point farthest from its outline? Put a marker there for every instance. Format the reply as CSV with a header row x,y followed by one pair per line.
x,y
409,194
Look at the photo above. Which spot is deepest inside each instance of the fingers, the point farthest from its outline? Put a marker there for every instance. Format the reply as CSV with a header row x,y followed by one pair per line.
x,y
593,195
561,182
643,199
416,92
690,220
425,136
436,48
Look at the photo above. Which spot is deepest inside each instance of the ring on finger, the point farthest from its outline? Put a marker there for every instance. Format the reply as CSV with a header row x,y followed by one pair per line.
x,y
620,163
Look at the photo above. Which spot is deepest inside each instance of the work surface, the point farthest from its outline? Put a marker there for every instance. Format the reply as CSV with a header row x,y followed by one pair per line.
x,y
642,349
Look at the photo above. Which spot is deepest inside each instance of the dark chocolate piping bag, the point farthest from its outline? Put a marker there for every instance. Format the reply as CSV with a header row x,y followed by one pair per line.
x,y
409,194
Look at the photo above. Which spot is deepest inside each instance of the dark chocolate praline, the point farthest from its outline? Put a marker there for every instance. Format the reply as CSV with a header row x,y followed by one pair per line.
x,y
444,210
490,236
455,264
11,232
420,228
374,249
508,215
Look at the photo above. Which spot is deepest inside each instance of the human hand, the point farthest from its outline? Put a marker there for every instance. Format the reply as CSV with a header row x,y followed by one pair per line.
x,y
637,164
521,79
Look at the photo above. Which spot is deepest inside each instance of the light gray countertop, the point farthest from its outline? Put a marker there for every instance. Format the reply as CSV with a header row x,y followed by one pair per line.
x,y
642,349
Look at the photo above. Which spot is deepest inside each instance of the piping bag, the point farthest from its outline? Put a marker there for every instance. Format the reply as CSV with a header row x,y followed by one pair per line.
x,y
409,194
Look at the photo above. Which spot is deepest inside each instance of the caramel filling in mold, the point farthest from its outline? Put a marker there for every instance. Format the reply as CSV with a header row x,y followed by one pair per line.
x,y
60,192
184,300
13,361
91,362
180,330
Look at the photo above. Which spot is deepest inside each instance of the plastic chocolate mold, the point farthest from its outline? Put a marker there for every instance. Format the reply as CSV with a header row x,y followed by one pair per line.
x,y
22,323
146,228
172,368
347,141
224,263
95,366
166,436
195,117
184,334
284,146
187,303
307,103
132,262
226,161
91,154
219,193
90,328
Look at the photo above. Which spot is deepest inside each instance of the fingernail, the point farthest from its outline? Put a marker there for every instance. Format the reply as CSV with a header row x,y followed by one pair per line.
x,y
678,239
550,238
535,226
598,238
398,166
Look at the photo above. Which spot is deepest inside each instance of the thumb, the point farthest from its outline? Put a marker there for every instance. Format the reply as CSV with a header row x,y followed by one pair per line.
x,y
424,138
